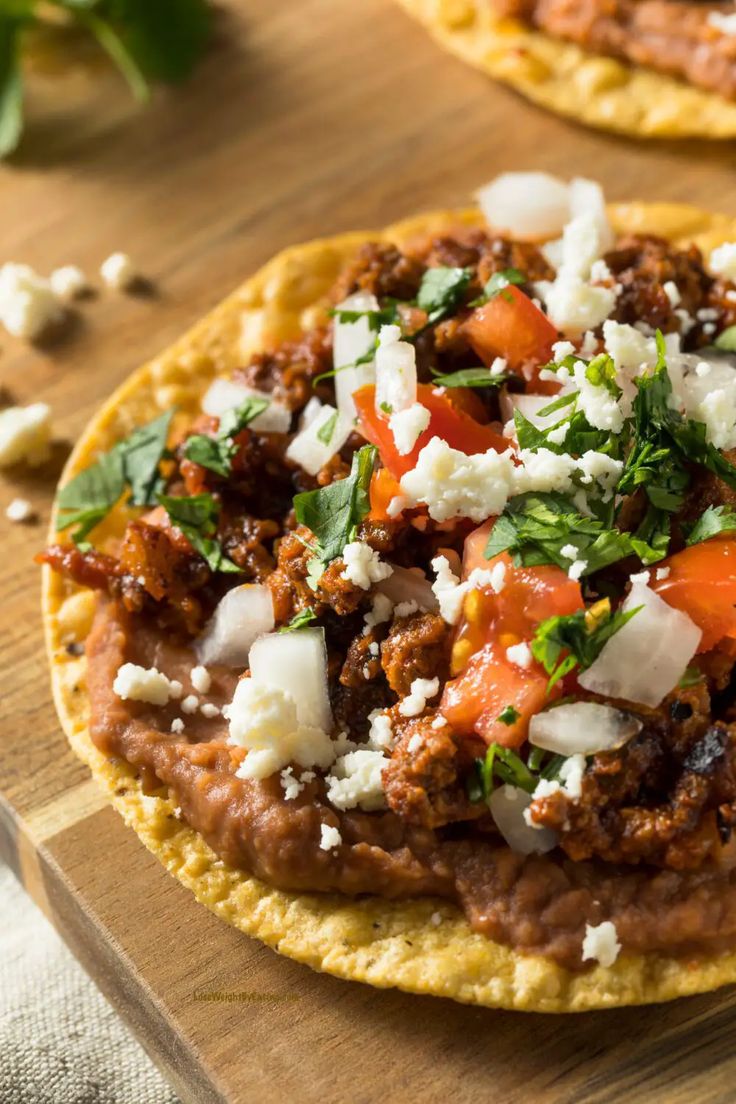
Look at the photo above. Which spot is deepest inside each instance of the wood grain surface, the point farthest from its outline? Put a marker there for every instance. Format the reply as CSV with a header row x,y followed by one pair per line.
x,y
309,117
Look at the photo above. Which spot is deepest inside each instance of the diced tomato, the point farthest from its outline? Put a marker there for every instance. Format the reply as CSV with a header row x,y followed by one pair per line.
x,y
487,681
510,326
454,426
702,583
473,702
383,488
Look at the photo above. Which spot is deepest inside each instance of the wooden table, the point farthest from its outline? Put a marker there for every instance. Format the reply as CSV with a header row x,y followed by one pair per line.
x,y
310,117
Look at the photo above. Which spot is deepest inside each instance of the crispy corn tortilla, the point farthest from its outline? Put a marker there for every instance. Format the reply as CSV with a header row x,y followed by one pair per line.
x,y
385,943
593,89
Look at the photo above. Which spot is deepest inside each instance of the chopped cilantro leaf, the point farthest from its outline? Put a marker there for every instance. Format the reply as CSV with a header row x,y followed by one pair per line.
x,y
91,495
326,431
299,621
469,377
216,453
665,445
498,282
196,516
576,637
133,462
441,291
505,766
713,520
509,715
387,408
333,513
535,527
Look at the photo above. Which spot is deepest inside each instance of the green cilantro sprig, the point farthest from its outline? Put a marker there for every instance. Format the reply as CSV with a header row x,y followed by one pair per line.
x,y
148,40
506,767
441,291
132,463
299,621
333,513
469,377
579,637
196,516
217,453
713,521
535,527
497,285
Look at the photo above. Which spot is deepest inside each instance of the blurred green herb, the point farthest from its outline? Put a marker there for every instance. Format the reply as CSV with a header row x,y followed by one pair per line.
x,y
148,40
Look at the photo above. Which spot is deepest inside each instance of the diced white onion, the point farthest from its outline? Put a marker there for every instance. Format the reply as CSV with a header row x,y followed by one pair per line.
x,y
309,451
528,205
396,372
507,805
296,662
645,659
582,728
529,406
586,198
407,585
225,394
243,614
351,341
310,412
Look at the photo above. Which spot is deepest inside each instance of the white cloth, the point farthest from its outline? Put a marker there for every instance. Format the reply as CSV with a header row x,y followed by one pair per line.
x,y
60,1042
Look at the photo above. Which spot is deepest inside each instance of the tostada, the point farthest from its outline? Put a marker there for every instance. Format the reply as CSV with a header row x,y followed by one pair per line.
x,y
646,68
394,606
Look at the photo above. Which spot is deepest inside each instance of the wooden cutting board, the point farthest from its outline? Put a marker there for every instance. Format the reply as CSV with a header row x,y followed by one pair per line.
x,y
309,117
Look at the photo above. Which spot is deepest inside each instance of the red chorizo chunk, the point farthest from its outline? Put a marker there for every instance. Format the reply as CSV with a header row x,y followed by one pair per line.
x,y
424,780
417,646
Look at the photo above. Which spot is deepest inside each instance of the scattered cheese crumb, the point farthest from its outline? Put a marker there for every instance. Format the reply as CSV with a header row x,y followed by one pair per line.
x,y
436,919
355,780
68,282
639,577
20,509
498,366
190,704
407,426
177,726
380,612
200,679
562,349
28,305
175,689
663,573
569,551
723,259
209,710
452,484
144,684
520,654
420,691
576,569
291,786
363,566
601,943
118,271
415,742
329,837
263,719
439,721
25,434
381,733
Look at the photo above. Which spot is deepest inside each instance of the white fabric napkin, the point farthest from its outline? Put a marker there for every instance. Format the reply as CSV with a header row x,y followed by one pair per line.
x,y
60,1042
